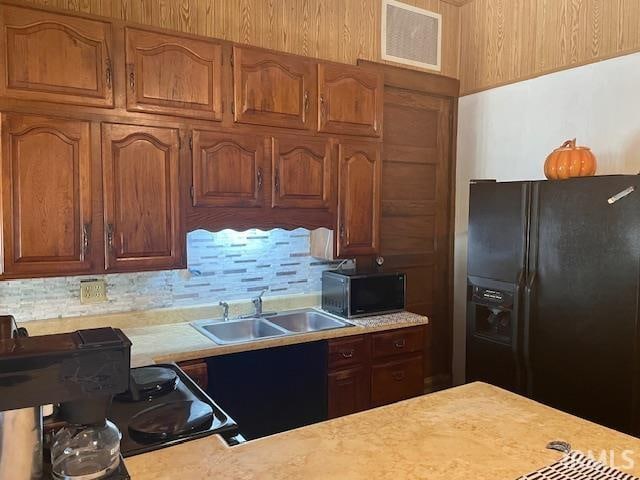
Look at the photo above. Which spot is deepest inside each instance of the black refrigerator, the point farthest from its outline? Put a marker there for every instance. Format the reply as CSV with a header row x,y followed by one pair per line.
x,y
553,293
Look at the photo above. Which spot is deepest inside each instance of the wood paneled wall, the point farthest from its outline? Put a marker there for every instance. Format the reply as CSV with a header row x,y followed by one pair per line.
x,y
338,30
503,41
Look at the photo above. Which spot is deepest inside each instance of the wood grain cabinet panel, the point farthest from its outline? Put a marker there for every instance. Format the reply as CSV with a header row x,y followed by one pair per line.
x,y
273,89
396,342
55,58
228,170
397,380
141,197
173,75
359,169
349,100
344,352
302,172
197,371
46,196
348,391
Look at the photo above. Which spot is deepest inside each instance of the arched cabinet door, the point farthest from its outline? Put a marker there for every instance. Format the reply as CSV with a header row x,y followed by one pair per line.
x,y
228,170
173,75
349,100
46,196
141,198
302,172
55,58
359,168
273,89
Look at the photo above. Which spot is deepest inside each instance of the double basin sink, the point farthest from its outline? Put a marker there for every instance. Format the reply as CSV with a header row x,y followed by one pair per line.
x,y
267,326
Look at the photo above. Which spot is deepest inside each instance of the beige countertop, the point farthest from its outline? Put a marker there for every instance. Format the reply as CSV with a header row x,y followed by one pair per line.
x,y
180,341
473,432
165,335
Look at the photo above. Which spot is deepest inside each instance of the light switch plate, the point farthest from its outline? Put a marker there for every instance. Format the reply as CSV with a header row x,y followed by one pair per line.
x,y
93,291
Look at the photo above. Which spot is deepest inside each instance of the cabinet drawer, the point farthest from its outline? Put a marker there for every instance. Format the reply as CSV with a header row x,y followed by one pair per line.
x,y
348,391
397,380
348,351
404,340
196,371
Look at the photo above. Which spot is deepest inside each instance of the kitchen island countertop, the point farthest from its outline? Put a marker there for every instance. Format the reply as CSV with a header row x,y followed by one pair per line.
x,y
473,432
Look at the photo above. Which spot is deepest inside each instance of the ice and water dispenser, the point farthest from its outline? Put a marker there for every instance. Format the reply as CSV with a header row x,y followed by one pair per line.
x,y
492,334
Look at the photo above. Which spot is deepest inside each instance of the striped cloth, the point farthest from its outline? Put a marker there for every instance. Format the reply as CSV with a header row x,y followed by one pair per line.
x,y
576,466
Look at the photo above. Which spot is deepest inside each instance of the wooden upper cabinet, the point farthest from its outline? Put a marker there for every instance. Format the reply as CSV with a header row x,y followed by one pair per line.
x,y
349,100
55,58
273,89
359,169
228,170
302,172
46,194
173,75
141,197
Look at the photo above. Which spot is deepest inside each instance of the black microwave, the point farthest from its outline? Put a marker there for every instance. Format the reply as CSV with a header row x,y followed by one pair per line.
x,y
351,294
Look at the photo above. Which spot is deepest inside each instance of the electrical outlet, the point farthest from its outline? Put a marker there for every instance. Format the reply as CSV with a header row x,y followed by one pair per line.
x,y
93,291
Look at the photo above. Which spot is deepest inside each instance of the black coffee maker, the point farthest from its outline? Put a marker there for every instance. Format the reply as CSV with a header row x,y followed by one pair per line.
x,y
81,371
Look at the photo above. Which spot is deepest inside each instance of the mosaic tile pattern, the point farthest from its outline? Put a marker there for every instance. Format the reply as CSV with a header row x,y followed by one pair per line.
x,y
226,265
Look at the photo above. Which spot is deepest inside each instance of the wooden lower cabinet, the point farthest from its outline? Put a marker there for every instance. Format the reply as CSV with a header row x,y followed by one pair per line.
x,y
367,371
348,391
197,371
396,379
395,342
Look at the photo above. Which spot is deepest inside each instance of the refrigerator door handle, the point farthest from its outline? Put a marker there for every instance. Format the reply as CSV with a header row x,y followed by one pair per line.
x,y
526,337
517,345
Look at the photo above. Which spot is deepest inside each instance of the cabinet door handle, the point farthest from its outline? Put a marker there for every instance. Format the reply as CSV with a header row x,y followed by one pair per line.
x,y
347,353
108,74
85,239
400,343
259,178
132,76
110,236
276,181
398,376
342,234
323,106
306,100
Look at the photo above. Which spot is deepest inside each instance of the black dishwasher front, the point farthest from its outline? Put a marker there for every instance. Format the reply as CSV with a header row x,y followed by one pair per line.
x,y
271,390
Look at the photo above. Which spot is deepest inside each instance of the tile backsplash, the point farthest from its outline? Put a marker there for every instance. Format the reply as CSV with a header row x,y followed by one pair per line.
x,y
225,265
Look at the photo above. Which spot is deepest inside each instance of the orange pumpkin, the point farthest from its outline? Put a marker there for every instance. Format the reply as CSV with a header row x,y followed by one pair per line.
x,y
570,161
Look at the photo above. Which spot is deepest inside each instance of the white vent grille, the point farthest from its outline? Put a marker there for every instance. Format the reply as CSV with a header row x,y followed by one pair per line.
x,y
411,35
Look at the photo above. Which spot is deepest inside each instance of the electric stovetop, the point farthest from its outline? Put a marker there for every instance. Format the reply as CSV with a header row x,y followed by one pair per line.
x,y
164,407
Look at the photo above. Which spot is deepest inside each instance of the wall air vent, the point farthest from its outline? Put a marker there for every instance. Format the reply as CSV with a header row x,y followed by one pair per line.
x,y
411,35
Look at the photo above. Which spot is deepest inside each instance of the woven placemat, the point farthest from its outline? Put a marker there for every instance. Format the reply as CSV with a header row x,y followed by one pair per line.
x,y
576,466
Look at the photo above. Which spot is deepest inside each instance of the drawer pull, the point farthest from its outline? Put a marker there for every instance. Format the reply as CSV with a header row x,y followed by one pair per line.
x,y
400,343
398,376
347,353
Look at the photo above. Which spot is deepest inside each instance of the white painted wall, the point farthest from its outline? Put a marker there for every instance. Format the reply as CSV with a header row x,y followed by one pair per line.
x,y
506,133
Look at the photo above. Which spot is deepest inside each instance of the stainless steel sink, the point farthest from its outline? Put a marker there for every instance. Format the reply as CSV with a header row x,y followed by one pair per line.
x,y
237,331
273,325
304,321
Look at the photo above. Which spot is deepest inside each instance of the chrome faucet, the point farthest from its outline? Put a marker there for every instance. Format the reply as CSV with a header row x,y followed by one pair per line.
x,y
225,311
257,303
